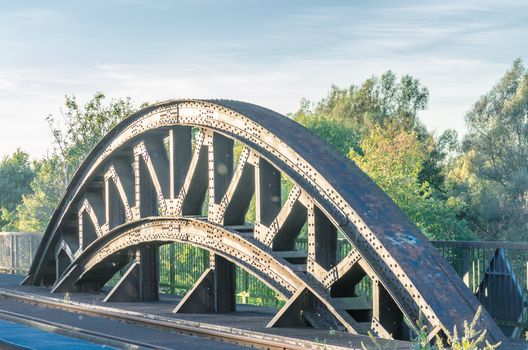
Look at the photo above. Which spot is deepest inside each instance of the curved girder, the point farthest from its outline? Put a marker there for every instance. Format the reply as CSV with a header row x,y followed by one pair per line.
x,y
392,251
252,255
256,258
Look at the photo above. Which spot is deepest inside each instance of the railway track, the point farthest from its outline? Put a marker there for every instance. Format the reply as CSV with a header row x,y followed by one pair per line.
x,y
228,335
75,332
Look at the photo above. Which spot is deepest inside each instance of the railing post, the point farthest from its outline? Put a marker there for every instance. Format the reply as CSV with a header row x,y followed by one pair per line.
x,y
13,257
465,265
206,259
172,272
30,256
246,285
17,254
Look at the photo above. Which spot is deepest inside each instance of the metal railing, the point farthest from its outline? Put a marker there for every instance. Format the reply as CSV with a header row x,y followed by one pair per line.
x,y
17,250
500,286
470,259
182,264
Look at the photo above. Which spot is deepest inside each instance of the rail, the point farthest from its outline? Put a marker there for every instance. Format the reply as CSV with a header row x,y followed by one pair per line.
x,y
471,259
220,333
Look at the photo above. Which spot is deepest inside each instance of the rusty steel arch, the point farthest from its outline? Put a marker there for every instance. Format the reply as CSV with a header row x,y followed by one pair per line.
x,y
146,182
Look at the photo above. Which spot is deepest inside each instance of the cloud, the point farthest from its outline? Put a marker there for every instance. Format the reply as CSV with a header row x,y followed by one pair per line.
x,y
457,49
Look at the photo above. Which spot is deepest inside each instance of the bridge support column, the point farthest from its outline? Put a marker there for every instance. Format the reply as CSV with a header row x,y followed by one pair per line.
x,y
214,291
140,281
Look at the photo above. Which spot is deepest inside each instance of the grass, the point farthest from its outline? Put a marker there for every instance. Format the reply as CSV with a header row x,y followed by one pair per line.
x,y
470,339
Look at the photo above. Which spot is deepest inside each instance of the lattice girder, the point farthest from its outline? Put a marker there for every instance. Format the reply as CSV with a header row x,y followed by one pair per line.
x,y
165,162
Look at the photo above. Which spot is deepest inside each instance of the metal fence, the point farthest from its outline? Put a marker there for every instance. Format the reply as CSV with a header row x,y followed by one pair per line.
x,y
497,272
471,259
182,264
17,250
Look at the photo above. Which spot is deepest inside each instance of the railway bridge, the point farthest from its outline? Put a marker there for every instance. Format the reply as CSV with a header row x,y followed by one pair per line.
x,y
193,171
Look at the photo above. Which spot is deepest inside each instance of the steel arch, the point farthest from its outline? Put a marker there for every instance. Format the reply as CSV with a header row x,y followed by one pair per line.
x,y
330,193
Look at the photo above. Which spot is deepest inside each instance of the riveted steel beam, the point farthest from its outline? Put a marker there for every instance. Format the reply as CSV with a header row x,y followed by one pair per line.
x,y
330,194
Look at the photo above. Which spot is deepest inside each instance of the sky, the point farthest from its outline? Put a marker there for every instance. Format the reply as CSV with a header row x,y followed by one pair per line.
x,y
272,53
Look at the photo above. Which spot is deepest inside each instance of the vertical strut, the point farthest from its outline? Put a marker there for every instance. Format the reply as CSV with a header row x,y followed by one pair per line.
x,y
220,167
149,272
268,192
322,240
220,175
180,154
147,198
224,284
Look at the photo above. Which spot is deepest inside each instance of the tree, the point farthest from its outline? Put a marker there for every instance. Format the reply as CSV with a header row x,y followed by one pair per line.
x,y
82,129
36,209
441,150
394,159
345,114
378,100
334,132
495,159
376,123
16,175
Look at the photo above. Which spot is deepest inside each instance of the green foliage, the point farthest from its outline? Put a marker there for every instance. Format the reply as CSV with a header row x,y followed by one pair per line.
x,y
36,209
492,172
346,114
334,132
16,175
471,339
394,159
440,151
83,128
378,100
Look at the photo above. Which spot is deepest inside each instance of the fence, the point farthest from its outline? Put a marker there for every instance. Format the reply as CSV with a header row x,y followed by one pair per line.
x,y
182,264
471,259
17,250
501,287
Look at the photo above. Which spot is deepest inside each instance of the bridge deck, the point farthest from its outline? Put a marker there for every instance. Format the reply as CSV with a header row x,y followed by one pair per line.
x,y
247,321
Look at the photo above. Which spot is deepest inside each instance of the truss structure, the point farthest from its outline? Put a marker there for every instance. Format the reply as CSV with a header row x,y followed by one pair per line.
x,y
190,170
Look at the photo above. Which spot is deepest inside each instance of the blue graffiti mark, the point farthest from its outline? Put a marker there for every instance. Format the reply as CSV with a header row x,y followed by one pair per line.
x,y
400,238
